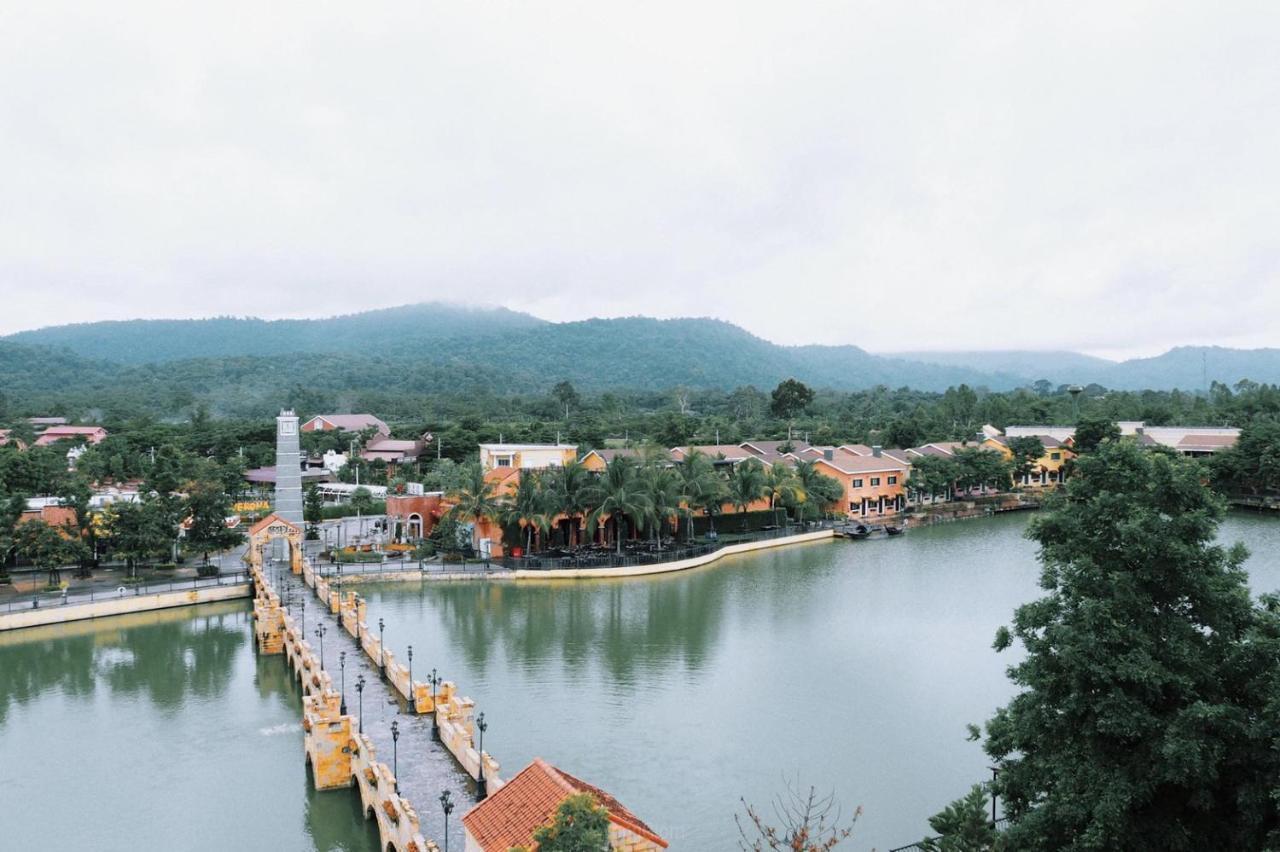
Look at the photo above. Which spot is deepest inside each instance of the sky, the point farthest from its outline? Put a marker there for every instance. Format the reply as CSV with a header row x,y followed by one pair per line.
x,y
1091,176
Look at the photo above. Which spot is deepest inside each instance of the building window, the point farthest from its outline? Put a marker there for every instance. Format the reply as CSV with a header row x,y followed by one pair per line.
x,y
1055,456
857,483
875,480
893,480
503,461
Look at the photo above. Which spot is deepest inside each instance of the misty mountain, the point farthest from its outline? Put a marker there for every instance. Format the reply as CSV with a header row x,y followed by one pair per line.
x,y
440,348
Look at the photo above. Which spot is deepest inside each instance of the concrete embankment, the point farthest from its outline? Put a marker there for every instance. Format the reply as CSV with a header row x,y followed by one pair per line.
x,y
122,605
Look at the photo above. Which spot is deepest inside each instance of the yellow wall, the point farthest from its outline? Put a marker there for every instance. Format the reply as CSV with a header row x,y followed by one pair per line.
x,y
1046,462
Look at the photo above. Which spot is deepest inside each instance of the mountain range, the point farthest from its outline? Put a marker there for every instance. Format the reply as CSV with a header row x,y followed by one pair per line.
x,y
438,346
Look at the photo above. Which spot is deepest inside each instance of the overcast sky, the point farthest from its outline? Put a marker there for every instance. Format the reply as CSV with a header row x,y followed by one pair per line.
x,y
1099,177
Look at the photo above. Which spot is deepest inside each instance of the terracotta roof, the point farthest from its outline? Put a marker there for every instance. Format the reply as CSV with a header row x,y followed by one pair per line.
x,y
509,816
847,462
769,449
54,516
273,518
58,433
609,455
730,452
1206,442
352,422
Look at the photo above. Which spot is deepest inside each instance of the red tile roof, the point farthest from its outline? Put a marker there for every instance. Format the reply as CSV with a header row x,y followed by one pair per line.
x,y
509,817
273,518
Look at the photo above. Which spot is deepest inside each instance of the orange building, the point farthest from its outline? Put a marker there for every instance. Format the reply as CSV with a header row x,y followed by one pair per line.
x,y
874,485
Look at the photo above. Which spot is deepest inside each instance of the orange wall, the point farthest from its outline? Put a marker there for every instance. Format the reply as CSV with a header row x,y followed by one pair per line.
x,y
869,491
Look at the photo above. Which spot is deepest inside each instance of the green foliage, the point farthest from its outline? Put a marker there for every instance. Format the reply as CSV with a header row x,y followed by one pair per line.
x,y
1026,452
141,531
313,511
746,485
1092,431
579,825
1150,699
789,399
208,507
617,494
50,547
1252,466
475,500
964,826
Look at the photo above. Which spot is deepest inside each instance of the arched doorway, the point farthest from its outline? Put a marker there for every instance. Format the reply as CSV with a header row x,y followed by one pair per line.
x,y
270,529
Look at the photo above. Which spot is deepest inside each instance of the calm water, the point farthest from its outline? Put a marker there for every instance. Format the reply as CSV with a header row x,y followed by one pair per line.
x,y
158,731
850,666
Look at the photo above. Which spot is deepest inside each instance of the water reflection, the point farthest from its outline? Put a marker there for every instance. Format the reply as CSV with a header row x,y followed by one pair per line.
x,y
165,655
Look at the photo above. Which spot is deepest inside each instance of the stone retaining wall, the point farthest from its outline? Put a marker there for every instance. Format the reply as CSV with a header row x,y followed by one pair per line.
x,y
128,603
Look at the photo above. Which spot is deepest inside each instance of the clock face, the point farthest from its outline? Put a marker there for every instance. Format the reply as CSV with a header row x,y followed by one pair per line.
x,y
288,427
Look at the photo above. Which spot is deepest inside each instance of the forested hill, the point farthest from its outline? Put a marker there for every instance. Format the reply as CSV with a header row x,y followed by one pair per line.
x,y
235,365
155,341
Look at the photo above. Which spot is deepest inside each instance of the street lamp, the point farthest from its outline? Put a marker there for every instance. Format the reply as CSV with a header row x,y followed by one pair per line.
x,y
995,772
320,631
342,666
395,763
482,787
302,602
413,693
446,805
435,728
360,700
382,663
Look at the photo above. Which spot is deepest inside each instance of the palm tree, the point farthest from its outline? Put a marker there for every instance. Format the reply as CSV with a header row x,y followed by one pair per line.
x,y
475,500
569,486
746,485
781,483
617,493
661,486
700,486
530,507
818,487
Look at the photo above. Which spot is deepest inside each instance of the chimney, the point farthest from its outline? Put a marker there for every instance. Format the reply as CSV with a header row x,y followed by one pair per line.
x,y
829,454
875,451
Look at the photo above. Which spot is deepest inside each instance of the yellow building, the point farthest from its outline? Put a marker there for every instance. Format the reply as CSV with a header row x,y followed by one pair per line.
x,y
1047,471
526,456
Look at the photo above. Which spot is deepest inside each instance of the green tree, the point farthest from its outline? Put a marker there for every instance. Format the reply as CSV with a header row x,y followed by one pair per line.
x,y
933,475
964,826
781,486
569,485
820,490
313,512
564,394
11,508
580,824
1026,452
208,507
699,485
362,500
141,531
618,494
1150,693
1092,431
50,547
661,487
531,507
475,500
746,485
789,399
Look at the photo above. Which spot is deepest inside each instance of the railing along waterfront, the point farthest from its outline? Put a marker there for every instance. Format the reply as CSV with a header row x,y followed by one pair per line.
x,y
44,600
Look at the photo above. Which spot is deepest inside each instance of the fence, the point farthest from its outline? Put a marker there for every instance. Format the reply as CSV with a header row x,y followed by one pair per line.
x,y
58,599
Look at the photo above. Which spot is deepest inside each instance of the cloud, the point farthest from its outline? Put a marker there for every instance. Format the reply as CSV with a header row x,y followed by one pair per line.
x,y
1096,176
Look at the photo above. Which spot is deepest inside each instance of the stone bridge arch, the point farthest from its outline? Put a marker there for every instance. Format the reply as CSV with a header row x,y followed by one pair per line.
x,y
270,529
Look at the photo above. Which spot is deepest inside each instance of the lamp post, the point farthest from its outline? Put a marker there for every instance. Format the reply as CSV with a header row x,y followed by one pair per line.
x,y
342,667
302,602
339,581
446,805
435,710
995,772
382,663
413,693
360,700
482,786
395,763
320,631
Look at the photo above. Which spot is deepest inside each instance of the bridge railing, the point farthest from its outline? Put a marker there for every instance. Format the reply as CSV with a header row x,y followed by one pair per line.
x,y
40,600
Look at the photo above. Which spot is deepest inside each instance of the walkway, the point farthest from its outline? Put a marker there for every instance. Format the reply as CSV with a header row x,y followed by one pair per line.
x,y
424,768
